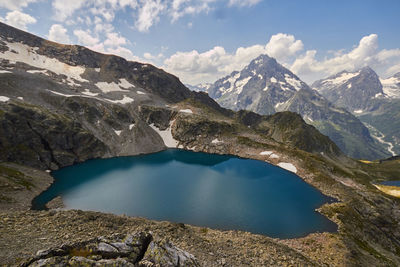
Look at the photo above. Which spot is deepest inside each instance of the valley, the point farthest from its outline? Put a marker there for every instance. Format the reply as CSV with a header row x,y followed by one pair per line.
x,y
86,105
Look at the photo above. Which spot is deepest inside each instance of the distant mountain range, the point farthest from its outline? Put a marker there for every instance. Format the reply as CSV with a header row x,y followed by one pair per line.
x,y
375,101
266,87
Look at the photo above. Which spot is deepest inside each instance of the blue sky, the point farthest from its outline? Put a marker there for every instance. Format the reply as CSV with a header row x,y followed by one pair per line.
x,y
202,40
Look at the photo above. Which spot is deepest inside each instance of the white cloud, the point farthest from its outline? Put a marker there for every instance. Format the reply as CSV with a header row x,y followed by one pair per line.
x,y
283,46
85,38
64,9
243,3
15,4
180,8
114,39
58,33
123,52
149,14
18,19
366,53
194,67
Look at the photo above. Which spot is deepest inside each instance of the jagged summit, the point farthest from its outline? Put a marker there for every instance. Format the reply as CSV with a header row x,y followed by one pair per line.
x,y
260,86
351,90
265,87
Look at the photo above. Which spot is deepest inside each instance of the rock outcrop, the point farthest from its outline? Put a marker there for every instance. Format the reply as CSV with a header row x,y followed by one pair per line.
x,y
137,249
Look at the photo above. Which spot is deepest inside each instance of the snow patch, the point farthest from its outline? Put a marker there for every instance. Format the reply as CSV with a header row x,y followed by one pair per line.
x,y
240,84
231,81
260,76
349,85
87,92
124,100
97,69
117,132
293,82
343,78
358,111
307,118
131,126
20,98
287,166
38,71
106,87
26,54
378,95
5,71
123,83
186,111
266,153
277,105
391,87
273,80
166,135
216,141
274,156
140,93
4,99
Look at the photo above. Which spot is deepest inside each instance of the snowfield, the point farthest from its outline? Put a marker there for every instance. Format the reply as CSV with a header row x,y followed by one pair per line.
x,y
287,166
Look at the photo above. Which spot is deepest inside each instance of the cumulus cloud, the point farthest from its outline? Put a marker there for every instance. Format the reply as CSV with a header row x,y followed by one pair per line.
x,y
18,19
194,67
283,46
366,53
15,4
85,38
114,39
58,33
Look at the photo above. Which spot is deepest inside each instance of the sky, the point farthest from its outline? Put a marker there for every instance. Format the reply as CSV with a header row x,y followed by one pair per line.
x,y
203,40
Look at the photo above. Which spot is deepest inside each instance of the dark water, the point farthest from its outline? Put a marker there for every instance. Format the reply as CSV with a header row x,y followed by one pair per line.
x,y
392,183
216,191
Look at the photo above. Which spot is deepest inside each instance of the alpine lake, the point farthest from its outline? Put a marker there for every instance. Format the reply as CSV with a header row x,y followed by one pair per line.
x,y
216,191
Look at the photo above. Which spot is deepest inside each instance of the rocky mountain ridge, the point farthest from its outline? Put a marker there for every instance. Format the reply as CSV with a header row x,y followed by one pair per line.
x,y
373,100
108,107
266,87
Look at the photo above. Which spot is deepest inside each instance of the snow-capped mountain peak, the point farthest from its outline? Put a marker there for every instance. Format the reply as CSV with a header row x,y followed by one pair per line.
x,y
391,86
351,90
263,82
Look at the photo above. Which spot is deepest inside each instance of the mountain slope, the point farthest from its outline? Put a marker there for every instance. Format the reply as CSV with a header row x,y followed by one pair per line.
x,y
60,105
266,87
351,90
391,86
260,87
373,100
64,104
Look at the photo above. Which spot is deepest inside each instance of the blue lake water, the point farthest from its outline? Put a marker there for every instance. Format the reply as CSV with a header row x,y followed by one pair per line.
x,y
392,183
216,191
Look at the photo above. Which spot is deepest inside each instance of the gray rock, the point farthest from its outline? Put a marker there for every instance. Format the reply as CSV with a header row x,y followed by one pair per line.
x,y
135,249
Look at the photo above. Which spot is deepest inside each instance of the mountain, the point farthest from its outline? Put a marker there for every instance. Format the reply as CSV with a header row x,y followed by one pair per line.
x,y
391,86
202,87
261,87
351,90
375,101
266,87
62,104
